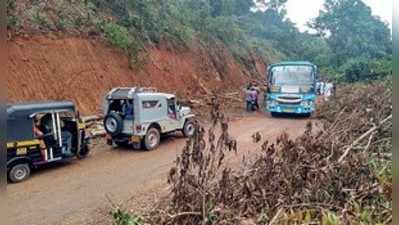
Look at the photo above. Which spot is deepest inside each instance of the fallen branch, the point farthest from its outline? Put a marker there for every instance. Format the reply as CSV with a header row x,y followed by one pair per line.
x,y
348,149
98,133
185,214
92,118
275,218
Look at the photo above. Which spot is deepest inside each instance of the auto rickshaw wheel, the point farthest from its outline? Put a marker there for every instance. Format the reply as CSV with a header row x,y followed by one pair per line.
x,y
19,172
84,152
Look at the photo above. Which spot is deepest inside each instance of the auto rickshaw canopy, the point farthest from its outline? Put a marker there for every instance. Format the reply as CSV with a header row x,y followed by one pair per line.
x,y
20,117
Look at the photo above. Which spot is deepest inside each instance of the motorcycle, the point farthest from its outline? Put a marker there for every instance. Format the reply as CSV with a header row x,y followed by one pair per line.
x,y
252,106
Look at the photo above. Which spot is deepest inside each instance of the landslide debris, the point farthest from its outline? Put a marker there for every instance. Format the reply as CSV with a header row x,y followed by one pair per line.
x,y
338,173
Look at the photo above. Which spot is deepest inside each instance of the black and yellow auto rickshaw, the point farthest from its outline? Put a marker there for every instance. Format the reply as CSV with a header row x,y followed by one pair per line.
x,y
42,133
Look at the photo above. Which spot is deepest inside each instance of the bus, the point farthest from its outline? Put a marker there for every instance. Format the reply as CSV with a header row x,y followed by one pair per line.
x,y
291,88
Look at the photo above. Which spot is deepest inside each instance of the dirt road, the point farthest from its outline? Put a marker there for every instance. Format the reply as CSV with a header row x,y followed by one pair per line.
x,y
67,193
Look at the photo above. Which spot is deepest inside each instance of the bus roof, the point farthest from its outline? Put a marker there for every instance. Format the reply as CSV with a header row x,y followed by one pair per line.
x,y
285,63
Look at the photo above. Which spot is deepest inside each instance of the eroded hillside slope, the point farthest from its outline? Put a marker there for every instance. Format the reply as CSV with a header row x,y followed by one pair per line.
x,y
59,67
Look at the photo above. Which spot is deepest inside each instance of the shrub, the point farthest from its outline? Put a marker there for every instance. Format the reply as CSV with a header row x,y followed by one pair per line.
x,y
364,69
13,23
117,35
123,218
39,18
225,29
120,37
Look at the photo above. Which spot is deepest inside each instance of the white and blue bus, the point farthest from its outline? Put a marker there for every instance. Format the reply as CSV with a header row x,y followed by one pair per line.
x,y
291,88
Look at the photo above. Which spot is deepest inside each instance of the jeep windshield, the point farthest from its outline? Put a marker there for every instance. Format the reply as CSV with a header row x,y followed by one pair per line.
x,y
292,75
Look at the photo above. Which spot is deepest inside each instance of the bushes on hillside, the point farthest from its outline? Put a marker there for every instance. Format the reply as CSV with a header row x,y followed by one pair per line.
x,y
365,70
120,37
117,35
239,24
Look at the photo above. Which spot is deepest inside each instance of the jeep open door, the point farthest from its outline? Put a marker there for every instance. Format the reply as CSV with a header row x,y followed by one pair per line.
x,y
173,115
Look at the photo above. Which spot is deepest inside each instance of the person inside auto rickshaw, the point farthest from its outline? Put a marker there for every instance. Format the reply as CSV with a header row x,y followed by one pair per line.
x,y
36,130
38,133
47,131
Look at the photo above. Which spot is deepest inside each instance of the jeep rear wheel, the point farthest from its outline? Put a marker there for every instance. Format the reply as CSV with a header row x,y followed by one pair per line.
x,y
189,129
152,139
113,123
19,173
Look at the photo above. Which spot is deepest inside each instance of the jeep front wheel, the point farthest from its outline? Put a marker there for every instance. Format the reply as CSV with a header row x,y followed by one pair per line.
x,y
189,129
19,173
152,139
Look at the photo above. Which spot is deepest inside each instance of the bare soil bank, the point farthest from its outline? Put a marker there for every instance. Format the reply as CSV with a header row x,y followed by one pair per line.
x,y
59,67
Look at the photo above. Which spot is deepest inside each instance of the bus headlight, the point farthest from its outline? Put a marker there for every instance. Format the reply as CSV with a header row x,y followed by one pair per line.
x,y
272,103
306,103
275,88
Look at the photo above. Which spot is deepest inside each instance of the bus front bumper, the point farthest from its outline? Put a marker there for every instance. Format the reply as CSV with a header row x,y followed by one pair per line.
x,y
291,108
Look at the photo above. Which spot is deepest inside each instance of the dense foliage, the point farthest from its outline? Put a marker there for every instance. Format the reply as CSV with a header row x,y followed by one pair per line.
x,y
348,42
361,44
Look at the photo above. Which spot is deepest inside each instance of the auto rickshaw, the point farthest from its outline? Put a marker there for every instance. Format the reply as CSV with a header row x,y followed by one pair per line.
x,y
61,136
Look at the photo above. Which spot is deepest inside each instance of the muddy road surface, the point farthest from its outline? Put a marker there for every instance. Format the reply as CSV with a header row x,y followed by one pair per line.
x,y
68,193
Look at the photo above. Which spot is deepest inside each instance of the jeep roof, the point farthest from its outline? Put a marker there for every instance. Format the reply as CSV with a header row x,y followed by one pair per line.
x,y
130,92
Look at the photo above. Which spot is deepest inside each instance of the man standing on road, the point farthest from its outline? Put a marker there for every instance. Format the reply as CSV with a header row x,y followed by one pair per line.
x,y
322,87
328,90
318,92
254,98
334,89
255,86
251,97
248,97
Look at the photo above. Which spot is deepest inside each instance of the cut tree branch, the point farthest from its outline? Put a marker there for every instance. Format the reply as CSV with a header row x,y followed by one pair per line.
x,y
349,148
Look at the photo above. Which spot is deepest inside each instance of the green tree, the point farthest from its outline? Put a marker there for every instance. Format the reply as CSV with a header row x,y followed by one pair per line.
x,y
352,31
313,48
231,7
277,5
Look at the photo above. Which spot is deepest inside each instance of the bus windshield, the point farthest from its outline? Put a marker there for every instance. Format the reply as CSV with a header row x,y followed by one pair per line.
x,y
292,75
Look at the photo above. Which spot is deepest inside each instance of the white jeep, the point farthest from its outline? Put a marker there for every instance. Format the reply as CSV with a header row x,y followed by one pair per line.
x,y
138,116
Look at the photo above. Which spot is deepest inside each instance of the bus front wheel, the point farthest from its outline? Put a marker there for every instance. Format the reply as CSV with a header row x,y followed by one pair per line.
x,y
274,114
307,115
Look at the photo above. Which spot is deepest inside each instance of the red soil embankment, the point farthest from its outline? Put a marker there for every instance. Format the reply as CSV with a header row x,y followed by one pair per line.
x,y
55,67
